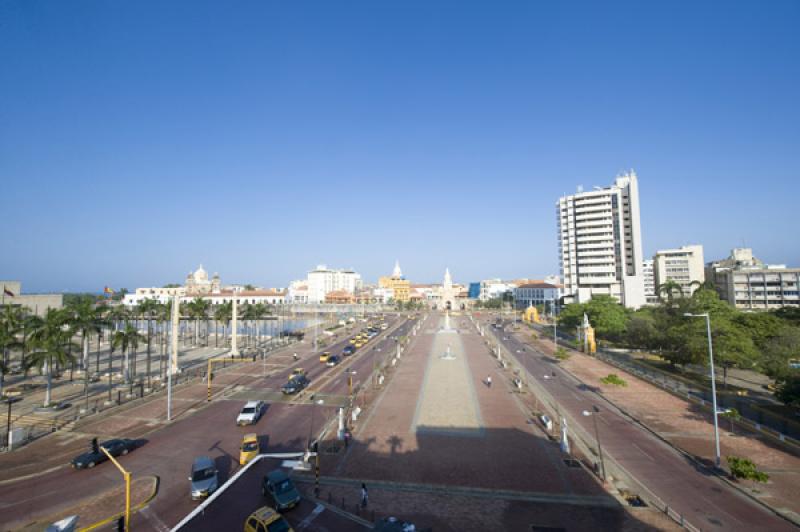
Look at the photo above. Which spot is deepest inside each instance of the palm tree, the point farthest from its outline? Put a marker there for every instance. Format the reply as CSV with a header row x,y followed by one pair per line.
x,y
668,289
198,309
51,342
248,314
85,318
223,313
163,316
128,338
148,309
260,311
10,327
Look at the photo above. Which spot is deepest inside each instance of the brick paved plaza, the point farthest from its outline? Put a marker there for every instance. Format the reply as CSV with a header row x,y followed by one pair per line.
x,y
440,444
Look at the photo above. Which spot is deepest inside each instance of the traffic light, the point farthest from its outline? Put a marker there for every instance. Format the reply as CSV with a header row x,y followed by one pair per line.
x,y
95,447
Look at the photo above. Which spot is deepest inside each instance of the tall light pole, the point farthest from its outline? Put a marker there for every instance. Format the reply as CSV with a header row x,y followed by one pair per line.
x,y
593,415
713,381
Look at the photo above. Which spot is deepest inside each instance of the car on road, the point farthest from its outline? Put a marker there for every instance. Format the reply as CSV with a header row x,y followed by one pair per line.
x,y
249,449
295,385
297,371
332,361
204,479
279,486
266,520
324,356
95,456
251,413
348,350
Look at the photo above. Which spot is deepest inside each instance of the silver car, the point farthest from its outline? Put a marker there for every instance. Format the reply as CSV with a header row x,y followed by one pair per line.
x,y
204,479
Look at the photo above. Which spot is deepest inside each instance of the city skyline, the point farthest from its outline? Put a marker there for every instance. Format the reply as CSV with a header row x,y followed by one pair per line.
x,y
138,141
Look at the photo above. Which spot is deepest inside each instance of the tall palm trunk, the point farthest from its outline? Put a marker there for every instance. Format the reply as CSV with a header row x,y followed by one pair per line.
x,y
85,361
48,392
126,365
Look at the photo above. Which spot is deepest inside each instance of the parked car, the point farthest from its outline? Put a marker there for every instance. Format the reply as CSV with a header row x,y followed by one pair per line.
x,y
95,456
266,520
279,486
332,361
295,384
249,449
203,478
251,413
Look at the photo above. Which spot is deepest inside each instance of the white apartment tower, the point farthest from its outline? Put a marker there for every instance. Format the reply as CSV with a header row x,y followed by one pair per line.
x,y
600,243
683,266
323,280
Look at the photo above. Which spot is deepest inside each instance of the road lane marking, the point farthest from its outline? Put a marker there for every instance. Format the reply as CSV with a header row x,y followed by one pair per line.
x,y
313,515
642,451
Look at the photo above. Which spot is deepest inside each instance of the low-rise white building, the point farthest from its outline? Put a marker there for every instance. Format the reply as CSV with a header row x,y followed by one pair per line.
x,y
750,284
538,293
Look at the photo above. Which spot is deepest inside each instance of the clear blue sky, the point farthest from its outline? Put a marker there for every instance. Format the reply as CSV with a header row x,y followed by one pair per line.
x,y
138,139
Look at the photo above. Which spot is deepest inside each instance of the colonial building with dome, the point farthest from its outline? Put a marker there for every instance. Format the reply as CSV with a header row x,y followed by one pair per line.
x,y
198,284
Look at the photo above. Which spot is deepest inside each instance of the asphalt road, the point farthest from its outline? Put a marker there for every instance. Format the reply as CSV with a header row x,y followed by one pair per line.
x,y
287,425
704,500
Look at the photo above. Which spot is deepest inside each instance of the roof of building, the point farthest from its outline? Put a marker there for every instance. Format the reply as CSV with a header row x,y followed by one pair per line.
x,y
537,285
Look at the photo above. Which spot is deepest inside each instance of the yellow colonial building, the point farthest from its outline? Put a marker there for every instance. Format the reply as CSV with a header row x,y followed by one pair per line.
x,y
399,285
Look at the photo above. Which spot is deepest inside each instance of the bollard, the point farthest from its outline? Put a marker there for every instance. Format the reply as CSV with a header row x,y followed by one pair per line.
x,y
119,397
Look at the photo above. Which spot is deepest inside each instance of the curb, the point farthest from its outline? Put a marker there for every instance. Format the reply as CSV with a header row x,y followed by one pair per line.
x,y
134,509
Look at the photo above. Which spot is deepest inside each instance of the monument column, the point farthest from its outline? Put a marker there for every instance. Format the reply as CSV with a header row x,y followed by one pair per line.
x,y
235,327
176,316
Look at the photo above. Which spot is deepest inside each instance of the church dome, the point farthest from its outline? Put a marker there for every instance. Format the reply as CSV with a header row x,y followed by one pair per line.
x,y
200,274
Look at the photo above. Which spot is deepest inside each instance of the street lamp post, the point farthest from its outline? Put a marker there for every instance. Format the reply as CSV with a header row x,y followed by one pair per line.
x,y
555,325
593,415
713,382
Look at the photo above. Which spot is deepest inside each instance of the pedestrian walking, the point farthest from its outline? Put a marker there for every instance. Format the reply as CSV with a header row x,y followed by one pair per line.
x,y
364,495
489,381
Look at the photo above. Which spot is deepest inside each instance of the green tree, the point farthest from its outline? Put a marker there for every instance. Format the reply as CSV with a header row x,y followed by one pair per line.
x,y
11,322
642,330
87,320
198,310
779,350
223,314
148,309
669,291
788,391
126,339
51,346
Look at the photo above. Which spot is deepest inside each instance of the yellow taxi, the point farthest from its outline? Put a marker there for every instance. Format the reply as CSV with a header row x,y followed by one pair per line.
x,y
354,339
249,449
324,356
266,520
295,372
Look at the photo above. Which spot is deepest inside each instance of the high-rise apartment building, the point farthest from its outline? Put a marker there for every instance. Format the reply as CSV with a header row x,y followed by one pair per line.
x,y
650,296
683,266
600,243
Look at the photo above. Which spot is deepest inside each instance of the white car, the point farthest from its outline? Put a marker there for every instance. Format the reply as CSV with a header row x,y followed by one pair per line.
x,y
251,413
